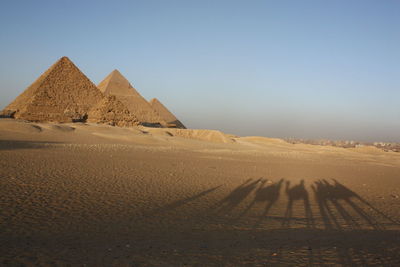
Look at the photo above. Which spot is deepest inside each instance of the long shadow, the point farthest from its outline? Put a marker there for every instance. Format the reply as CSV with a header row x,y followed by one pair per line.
x,y
348,195
297,193
237,196
335,196
265,194
16,144
322,194
340,209
342,199
179,203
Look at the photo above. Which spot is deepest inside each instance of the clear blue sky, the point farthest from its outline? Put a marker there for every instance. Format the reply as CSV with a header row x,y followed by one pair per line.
x,y
307,69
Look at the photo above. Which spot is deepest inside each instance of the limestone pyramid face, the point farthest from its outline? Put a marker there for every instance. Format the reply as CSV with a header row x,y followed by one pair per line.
x,y
118,85
111,111
167,115
61,94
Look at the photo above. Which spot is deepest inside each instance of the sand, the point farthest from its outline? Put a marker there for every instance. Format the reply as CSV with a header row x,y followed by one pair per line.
x,y
96,195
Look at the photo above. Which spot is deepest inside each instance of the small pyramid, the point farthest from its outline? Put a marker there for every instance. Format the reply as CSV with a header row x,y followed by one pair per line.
x,y
61,94
118,85
167,115
111,111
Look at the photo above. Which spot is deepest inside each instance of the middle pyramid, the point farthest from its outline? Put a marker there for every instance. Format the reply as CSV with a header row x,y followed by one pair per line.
x,y
116,84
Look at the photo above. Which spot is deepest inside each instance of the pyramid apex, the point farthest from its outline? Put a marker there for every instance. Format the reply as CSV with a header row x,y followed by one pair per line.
x,y
116,74
65,58
116,83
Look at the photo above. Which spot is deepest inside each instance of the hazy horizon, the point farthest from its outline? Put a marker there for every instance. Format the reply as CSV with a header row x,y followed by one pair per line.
x,y
309,69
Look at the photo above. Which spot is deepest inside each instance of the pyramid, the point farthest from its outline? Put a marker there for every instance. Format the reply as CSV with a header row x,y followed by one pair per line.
x,y
61,94
111,111
170,118
118,85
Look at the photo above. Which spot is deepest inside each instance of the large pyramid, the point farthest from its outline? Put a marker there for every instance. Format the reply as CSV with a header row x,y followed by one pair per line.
x,y
118,85
167,115
62,94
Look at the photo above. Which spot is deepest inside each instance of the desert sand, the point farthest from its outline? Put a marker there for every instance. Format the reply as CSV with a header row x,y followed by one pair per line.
x,y
84,194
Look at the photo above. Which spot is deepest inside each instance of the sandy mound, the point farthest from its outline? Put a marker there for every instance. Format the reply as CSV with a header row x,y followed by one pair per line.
x,y
367,150
166,114
118,85
113,112
262,140
205,135
62,94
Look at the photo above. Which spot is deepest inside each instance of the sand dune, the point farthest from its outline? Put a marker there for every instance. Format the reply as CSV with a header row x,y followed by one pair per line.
x,y
75,194
204,135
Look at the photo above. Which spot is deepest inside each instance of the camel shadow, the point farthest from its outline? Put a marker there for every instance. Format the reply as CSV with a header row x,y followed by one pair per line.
x,y
294,194
236,197
338,203
267,195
